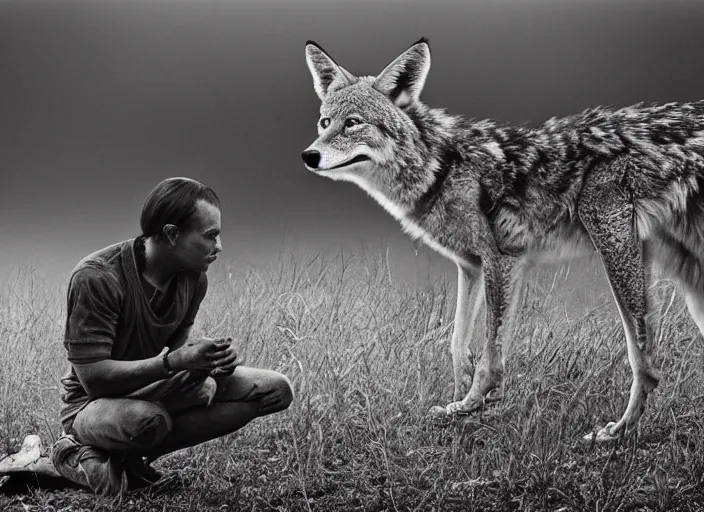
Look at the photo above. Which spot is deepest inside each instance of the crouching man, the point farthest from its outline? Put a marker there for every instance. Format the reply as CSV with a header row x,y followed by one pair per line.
x,y
138,387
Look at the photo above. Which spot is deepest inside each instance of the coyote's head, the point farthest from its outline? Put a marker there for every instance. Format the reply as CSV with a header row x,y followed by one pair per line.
x,y
372,130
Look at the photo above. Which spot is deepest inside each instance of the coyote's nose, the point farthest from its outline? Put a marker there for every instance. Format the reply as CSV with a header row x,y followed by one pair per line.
x,y
311,158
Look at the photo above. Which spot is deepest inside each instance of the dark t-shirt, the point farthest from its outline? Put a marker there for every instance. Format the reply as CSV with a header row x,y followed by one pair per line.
x,y
109,316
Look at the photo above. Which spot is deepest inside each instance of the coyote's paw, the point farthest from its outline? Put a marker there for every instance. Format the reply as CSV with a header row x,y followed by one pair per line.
x,y
437,411
465,406
604,435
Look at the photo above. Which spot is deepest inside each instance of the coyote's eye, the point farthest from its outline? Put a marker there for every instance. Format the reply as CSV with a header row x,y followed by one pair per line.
x,y
325,122
351,121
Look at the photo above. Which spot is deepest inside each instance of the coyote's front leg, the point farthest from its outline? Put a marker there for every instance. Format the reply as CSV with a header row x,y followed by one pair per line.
x,y
470,295
500,277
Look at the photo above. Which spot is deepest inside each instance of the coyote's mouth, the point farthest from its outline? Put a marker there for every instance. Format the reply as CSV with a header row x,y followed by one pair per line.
x,y
355,160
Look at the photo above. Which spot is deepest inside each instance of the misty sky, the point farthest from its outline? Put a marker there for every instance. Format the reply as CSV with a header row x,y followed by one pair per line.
x,y
101,100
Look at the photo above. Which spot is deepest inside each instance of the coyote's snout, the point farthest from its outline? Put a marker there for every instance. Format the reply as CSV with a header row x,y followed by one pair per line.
x,y
625,183
313,160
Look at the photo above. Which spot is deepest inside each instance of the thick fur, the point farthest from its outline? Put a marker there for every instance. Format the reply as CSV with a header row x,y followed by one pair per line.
x,y
628,183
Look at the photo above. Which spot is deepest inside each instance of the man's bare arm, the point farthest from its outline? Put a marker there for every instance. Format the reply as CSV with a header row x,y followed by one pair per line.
x,y
110,378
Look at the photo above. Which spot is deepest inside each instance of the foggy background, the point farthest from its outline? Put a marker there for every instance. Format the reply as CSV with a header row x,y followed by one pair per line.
x,y
99,101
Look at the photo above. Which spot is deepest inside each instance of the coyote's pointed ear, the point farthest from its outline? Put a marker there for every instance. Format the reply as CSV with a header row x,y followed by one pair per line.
x,y
327,74
404,78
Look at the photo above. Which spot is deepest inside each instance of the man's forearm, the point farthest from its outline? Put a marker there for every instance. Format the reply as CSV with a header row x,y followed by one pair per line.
x,y
179,339
110,378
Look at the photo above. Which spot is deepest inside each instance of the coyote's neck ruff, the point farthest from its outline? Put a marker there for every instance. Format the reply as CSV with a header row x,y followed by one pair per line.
x,y
627,183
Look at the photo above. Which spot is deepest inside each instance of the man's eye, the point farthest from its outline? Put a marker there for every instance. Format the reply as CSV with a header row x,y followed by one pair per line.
x,y
349,123
325,122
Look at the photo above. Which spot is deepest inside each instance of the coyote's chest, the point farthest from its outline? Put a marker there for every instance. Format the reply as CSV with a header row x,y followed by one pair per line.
x,y
417,232
411,227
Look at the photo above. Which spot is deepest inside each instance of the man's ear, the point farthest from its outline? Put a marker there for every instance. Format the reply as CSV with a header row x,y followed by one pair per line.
x,y
170,233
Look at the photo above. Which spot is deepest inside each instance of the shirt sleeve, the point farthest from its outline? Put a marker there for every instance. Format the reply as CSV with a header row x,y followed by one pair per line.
x,y
93,310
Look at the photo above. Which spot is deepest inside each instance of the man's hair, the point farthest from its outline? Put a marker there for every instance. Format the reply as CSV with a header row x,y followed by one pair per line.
x,y
173,201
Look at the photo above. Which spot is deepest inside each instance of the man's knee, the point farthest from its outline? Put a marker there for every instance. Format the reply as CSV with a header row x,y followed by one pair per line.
x,y
287,391
283,391
122,424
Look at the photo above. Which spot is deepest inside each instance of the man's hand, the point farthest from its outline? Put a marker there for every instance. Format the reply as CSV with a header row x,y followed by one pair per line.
x,y
229,361
204,354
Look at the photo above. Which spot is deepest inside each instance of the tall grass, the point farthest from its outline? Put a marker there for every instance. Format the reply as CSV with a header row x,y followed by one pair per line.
x,y
31,329
368,355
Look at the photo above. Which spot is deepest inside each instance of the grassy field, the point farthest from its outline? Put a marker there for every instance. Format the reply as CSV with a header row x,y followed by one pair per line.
x,y
368,356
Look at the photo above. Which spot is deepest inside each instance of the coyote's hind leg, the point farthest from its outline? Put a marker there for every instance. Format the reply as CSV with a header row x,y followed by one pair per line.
x,y
607,212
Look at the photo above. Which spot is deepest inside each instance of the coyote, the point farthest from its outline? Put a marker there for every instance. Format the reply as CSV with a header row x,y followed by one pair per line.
x,y
626,183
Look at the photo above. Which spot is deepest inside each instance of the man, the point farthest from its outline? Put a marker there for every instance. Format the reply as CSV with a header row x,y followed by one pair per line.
x,y
138,387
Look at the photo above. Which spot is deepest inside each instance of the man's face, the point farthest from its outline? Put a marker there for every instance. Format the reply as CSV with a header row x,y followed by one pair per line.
x,y
198,244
